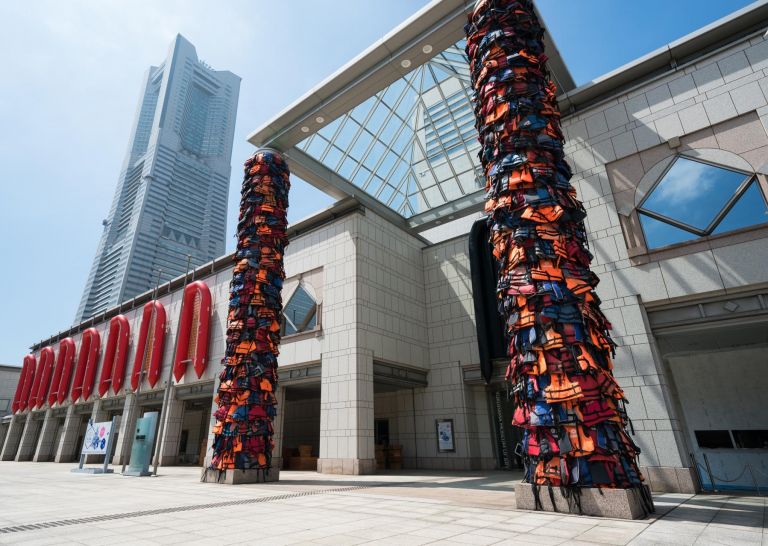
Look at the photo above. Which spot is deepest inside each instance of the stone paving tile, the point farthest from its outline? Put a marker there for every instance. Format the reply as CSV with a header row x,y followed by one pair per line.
x,y
559,532
375,533
513,527
475,538
654,537
609,535
341,540
401,540
442,531
524,538
715,535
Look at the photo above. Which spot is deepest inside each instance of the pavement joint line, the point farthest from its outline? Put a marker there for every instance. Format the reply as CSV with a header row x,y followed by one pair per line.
x,y
190,507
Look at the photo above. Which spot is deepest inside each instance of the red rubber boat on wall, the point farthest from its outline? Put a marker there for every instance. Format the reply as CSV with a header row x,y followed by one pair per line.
x,y
115,355
45,368
87,361
194,326
149,349
62,374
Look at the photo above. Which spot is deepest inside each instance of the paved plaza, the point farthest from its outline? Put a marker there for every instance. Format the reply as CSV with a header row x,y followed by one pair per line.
x,y
44,503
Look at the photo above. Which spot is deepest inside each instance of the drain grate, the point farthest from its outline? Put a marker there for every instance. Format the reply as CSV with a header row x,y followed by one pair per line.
x,y
188,508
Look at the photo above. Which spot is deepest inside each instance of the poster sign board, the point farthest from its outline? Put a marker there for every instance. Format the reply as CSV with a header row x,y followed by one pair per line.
x,y
97,438
98,441
445,443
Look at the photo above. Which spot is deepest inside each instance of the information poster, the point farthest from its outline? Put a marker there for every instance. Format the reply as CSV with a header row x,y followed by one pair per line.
x,y
445,442
97,438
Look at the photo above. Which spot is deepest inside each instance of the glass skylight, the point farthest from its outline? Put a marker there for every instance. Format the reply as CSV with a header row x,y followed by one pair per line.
x,y
412,146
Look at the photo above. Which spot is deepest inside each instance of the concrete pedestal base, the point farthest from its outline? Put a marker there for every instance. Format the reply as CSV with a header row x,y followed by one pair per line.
x,y
137,473
609,503
237,477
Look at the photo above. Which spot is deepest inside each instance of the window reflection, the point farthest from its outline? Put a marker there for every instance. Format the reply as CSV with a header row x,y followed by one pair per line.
x,y
300,313
694,199
749,210
693,193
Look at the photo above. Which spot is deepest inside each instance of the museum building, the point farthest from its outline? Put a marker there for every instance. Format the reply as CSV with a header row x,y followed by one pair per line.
x,y
381,345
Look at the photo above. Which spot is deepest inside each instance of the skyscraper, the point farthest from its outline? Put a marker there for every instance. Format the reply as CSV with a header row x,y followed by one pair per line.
x,y
171,196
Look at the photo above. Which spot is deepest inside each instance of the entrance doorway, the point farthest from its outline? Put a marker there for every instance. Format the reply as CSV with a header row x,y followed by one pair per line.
x,y
719,371
193,438
301,426
508,439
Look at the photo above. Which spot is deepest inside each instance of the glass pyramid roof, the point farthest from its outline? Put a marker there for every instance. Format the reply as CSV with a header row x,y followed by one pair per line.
x,y
413,145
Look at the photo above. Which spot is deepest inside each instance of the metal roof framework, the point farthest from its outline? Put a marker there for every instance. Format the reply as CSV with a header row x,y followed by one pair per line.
x,y
394,128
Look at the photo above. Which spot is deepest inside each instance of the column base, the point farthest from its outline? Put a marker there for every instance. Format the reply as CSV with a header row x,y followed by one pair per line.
x,y
594,501
671,479
237,477
137,473
352,467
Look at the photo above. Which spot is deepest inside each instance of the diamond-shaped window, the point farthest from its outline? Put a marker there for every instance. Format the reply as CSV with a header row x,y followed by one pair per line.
x,y
300,313
693,199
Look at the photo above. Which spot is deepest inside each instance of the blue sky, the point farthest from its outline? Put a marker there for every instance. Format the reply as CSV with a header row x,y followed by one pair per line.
x,y
70,82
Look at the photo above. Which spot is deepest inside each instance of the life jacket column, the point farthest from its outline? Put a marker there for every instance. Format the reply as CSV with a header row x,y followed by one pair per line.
x,y
560,369
243,443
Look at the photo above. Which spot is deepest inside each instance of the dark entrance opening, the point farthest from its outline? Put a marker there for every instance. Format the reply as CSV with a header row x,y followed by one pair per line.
x,y
301,426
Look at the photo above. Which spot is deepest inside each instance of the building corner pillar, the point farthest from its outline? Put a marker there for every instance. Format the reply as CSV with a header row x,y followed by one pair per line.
x,y
122,454
66,448
28,441
12,438
346,413
45,445
169,443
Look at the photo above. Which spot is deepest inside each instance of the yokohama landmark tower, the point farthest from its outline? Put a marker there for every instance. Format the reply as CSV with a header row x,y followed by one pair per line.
x,y
171,196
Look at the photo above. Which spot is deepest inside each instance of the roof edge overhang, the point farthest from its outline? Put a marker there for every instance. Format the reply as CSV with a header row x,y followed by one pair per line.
x,y
310,223
668,58
439,24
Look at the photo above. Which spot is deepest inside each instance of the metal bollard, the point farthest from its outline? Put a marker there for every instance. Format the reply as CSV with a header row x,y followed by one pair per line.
x,y
709,471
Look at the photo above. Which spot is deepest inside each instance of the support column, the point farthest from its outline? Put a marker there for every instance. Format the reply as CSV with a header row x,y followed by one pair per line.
x,y
169,443
126,430
277,427
3,432
45,447
346,413
12,437
66,447
28,441
211,423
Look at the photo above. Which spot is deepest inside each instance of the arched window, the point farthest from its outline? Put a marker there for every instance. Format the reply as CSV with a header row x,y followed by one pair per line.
x,y
300,314
694,198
